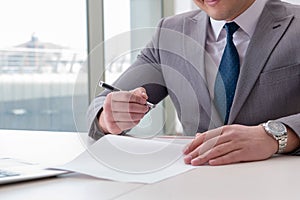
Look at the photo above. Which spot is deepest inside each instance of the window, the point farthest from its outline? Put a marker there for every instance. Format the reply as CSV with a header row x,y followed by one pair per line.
x,y
125,25
42,51
293,1
128,27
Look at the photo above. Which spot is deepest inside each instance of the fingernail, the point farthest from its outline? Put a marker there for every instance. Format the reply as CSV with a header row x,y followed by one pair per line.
x,y
195,161
144,95
186,150
187,159
212,162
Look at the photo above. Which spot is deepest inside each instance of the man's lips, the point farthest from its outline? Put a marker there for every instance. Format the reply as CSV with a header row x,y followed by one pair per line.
x,y
211,2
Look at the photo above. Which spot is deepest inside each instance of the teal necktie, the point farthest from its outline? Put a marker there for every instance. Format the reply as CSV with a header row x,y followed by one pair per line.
x,y
227,75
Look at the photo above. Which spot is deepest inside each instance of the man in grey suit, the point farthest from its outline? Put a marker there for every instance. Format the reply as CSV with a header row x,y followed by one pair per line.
x,y
259,111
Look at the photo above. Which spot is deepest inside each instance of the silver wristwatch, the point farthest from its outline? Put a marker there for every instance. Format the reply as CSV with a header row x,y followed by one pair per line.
x,y
279,132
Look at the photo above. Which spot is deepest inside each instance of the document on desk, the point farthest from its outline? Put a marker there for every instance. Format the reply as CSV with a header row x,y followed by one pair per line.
x,y
129,159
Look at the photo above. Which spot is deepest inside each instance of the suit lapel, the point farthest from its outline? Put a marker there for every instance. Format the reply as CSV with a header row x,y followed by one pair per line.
x,y
194,45
194,52
271,27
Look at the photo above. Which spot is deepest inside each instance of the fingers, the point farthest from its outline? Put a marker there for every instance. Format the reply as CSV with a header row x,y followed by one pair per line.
x,y
138,96
232,157
140,92
214,153
213,144
129,102
128,107
210,149
118,127
125,117
200,138
123,110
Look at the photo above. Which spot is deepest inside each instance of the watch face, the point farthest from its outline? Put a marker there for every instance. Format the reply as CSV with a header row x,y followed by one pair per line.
x,y
277,128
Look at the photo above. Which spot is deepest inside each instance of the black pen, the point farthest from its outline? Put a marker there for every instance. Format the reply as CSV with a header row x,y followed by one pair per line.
x,y
114,89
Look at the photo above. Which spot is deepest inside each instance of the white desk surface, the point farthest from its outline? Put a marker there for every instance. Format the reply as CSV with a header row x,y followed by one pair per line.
x,y
276,178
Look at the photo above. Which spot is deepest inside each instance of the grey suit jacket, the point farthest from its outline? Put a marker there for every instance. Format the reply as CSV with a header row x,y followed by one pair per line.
x,y
173,64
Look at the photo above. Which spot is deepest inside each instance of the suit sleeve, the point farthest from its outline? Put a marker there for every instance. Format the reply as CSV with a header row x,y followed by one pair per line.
x,y
293,122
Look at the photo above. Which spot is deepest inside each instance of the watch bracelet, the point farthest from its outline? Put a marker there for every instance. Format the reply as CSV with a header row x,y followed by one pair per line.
x,y
282,143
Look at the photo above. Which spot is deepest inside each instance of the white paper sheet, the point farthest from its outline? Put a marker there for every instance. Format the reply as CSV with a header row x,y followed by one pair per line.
x,y
129,159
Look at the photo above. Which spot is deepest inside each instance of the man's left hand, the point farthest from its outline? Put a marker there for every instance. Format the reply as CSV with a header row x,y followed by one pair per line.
x,y
230,144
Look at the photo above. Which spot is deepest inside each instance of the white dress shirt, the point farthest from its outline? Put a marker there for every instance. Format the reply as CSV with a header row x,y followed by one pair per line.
x,y
216,40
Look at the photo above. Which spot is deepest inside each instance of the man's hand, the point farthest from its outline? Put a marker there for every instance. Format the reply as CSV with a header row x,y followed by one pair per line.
x,y
123,110
230,144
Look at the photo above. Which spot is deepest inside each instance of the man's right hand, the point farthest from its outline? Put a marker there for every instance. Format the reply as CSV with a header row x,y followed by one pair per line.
x,y
123,110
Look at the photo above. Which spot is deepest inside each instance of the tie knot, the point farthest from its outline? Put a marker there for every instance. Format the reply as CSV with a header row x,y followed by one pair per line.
x,y
231,28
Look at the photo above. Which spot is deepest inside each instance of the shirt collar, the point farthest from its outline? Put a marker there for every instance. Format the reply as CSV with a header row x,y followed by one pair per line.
x,y
247,20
